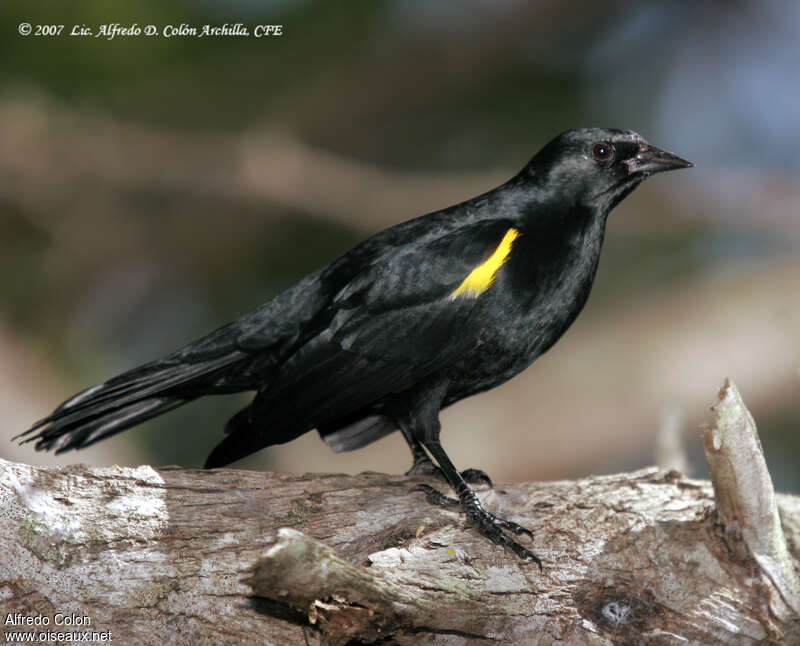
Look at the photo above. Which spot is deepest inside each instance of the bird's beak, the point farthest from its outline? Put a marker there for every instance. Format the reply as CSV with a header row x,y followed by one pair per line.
x,y
651,160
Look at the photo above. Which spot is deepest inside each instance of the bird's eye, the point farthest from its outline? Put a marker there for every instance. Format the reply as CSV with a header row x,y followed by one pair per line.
x,y
603,151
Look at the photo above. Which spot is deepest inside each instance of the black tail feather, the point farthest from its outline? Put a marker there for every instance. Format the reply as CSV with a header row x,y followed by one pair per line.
x,y
62,436
245,434
127,400
241,439
234,447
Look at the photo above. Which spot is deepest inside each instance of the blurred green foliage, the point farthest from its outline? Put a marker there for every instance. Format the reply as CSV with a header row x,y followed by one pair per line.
x,y
416,87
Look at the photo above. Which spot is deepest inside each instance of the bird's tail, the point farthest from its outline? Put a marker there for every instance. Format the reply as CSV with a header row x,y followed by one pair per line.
x,y
127,400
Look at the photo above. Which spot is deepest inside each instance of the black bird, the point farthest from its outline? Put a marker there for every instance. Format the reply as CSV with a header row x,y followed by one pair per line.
x,y
413,319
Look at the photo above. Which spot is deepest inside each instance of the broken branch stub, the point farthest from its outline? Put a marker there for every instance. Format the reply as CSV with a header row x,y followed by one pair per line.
x,y
345,600
744,494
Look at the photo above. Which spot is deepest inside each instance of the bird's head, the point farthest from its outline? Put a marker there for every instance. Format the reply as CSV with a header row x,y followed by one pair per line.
x,y
597,167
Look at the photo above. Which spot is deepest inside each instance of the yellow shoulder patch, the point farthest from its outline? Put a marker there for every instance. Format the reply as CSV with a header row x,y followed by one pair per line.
x,y
480,278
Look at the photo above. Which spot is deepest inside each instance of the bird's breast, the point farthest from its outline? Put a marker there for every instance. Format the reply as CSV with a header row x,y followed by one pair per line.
x,y
536,296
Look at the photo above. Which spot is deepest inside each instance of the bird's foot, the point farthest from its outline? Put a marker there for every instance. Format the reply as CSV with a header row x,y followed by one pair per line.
x,y
489,525
492,526
426,467
476,476
436,497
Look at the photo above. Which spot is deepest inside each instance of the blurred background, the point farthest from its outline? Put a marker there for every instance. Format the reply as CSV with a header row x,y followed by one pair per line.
x,y
152,189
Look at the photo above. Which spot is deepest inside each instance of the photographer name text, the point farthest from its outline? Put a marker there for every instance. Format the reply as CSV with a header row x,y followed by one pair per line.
x,y
111,31
42,628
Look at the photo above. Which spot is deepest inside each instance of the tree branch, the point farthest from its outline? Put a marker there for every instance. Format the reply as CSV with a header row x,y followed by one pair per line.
x,y
745,495
180,556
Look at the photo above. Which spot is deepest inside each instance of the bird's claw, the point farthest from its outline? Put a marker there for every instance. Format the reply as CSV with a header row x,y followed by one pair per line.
x,y
511,526
489,525
436,497
476,476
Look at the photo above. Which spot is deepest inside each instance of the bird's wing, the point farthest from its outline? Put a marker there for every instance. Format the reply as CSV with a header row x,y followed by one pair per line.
x,y
403,316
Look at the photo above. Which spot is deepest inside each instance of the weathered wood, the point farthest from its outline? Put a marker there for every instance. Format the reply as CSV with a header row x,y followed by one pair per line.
x,y
174,556
745,498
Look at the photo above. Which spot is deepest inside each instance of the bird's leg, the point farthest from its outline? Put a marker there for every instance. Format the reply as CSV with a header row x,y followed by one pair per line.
x,y
488,524
424,466
420,424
